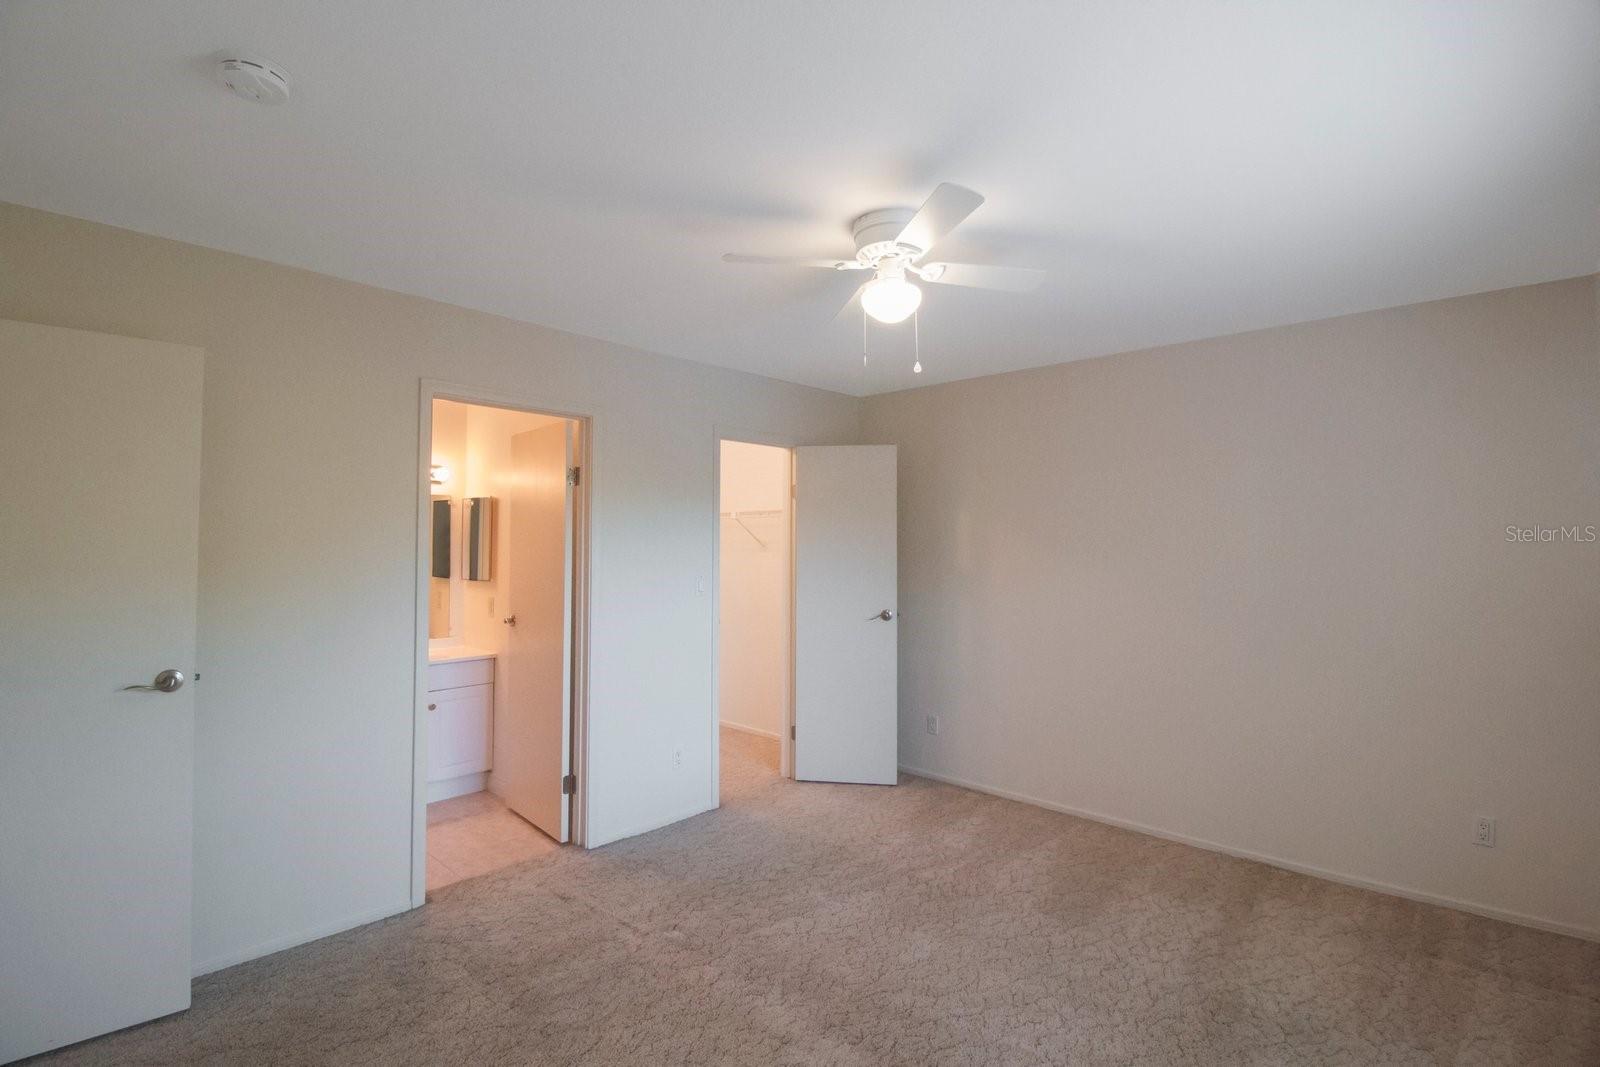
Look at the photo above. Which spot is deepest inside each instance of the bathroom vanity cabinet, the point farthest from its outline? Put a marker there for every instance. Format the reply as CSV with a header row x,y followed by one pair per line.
x,y
460,721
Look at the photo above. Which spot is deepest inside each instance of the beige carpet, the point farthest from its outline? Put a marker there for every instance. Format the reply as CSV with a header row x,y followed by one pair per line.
x,y
921,924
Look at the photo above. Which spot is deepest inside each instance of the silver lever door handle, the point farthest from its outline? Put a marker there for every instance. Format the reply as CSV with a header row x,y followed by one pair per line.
x,y
168,681
887,615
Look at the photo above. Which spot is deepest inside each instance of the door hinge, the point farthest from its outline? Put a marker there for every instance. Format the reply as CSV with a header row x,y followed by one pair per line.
x,y
569,784
573,474
791,732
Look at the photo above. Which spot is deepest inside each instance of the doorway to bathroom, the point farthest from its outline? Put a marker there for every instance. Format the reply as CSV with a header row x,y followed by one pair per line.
x,y
502,575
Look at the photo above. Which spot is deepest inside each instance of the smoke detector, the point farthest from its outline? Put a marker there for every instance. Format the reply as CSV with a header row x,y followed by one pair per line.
x,y
254,79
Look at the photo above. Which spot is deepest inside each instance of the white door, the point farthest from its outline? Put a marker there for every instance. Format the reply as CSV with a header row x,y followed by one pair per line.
x,y
98,551
845,618
534,741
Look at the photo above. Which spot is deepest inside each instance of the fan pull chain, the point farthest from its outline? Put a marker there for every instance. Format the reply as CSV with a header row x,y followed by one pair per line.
x,y
863,340
916,342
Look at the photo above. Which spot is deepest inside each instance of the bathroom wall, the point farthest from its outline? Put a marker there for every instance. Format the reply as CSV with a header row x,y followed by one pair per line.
x,y
489,473
753,637
449,448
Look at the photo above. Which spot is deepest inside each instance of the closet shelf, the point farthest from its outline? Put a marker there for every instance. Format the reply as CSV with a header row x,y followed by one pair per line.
x,y
740,516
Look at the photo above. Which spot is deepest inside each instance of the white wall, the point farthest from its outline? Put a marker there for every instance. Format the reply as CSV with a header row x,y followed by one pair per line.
x,y
753,647
1257,591
307,584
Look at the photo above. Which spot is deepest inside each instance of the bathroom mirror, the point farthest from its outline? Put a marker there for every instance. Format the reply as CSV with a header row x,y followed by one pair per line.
x,y
439,568
441,537
477,536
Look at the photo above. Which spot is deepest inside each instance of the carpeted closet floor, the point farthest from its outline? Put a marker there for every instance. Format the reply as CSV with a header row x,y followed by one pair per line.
x,y
921,924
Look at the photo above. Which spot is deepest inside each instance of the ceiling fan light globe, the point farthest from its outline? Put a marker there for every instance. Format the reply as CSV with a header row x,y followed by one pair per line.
x,y
891,300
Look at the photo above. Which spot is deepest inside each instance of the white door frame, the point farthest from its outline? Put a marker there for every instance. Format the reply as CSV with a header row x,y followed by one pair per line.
x,y
786,727
431,390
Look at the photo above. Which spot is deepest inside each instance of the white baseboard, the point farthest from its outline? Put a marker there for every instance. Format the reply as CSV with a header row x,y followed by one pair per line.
x,y
446,788
770,735
278,944
646,827
1536,922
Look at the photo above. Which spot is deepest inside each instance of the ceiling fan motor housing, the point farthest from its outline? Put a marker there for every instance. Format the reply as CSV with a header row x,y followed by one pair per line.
x,y
876,233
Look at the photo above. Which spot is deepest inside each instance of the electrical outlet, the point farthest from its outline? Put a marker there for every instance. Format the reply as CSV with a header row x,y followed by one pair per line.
x,y
933,724
1483,832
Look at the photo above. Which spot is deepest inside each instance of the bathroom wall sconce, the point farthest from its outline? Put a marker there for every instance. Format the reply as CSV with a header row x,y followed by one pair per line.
x,y
438,473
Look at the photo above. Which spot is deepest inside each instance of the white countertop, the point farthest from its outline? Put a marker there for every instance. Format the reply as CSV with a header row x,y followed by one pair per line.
x,y
456,653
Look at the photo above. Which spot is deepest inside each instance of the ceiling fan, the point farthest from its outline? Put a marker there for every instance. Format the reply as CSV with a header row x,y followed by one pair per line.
x,y
892,243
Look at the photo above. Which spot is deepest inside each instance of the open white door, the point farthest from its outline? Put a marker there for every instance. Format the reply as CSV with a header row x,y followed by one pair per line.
x,y
533,737
99,543
845,680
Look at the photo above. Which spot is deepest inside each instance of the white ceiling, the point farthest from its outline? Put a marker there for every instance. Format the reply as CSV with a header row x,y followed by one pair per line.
x,y
1183,169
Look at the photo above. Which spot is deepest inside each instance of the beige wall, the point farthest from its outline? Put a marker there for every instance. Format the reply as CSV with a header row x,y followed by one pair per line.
x,y
753,647
1253,591
1258,592
303,771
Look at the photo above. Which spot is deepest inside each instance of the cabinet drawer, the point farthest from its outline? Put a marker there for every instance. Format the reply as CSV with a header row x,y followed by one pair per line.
x,y
461,673
460,731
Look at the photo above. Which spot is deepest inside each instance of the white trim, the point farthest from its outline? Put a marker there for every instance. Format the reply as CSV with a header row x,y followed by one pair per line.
x,y
278,944
655,823
1585,933
587,419
582,533
447,788
419,666
771,735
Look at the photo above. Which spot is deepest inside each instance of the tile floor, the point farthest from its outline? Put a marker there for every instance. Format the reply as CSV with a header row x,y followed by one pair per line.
x,y
475,834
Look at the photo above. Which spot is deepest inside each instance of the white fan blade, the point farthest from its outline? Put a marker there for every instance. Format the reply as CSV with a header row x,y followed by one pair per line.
x,y
796,261
980,276
853,304
938,215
